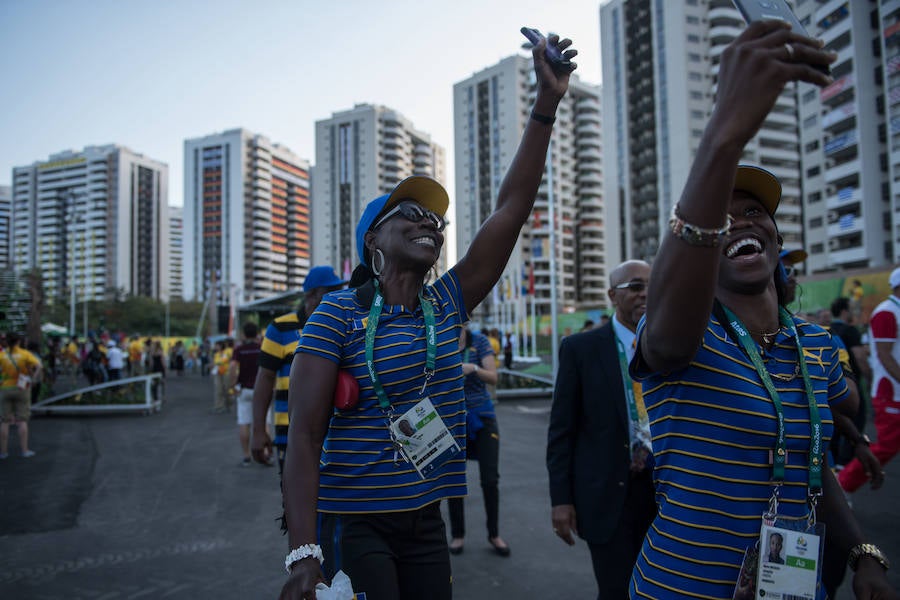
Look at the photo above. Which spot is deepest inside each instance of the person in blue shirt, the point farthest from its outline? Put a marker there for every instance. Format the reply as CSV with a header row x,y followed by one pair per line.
x,y
736,388
479,366
356,497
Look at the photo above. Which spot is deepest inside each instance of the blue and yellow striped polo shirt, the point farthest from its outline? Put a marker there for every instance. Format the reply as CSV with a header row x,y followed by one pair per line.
x,y
357,469
276,354
713,426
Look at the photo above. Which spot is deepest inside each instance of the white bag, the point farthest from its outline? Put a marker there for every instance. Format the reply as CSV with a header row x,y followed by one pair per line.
x,y
24,382
340,588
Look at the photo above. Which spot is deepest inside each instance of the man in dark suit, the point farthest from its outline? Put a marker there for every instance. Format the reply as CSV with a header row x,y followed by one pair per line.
x,y
601,486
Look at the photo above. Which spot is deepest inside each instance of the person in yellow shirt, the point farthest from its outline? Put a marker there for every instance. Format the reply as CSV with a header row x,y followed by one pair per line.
x,y
135,355
18,367
221,362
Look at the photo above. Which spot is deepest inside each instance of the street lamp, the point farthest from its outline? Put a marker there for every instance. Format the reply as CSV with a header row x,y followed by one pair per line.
x,y
73,216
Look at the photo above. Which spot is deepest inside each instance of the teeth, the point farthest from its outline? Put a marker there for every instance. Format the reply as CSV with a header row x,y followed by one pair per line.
x,y
735,247
425,241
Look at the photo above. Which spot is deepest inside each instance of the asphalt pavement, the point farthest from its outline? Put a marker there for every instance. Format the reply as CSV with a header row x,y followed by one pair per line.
x,y
158,506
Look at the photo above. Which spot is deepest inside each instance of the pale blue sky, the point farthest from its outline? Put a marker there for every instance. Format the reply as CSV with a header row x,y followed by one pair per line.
x,y
149,74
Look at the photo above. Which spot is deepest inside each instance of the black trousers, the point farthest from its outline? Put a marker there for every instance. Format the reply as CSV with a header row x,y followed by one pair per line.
x,y
487,450
614,560
390,556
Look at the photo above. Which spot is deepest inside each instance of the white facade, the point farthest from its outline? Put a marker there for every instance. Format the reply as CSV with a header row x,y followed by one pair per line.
x,y
491,110
361,154
847,130
660,63
176,252
96,219
5,224
246,217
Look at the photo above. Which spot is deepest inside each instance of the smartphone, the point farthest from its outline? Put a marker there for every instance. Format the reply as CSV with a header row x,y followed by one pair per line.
x,y
760,10
552,53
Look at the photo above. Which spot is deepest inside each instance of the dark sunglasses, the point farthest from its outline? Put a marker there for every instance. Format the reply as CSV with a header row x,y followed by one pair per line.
x,y
635,286
413,213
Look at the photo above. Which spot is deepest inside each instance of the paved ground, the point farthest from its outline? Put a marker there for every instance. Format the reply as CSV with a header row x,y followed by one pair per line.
x,y
158,507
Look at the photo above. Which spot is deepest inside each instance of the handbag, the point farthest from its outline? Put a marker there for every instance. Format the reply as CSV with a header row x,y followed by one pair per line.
x,y
346,391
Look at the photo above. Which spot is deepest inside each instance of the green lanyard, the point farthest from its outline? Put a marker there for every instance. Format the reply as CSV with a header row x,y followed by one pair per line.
x,y
815,422
626,379
430,345
894,300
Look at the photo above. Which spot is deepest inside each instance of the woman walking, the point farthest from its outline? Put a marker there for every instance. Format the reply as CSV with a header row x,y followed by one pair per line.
x,y
377,466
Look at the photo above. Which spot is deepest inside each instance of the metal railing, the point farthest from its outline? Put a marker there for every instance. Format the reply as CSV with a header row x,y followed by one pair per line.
x,y
141,394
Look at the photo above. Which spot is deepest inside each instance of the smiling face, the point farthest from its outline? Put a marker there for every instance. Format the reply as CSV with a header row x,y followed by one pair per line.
x,y
407,244
750,252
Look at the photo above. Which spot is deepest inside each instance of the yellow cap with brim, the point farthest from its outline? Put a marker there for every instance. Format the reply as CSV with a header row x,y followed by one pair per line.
x,y
425,191
761,184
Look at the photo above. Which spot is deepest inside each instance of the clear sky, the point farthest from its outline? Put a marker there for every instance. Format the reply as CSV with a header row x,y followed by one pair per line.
x,y
149,74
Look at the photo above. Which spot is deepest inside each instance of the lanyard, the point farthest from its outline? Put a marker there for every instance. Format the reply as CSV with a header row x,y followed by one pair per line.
x,y
894,300
815,422
626,379
372,326
465,356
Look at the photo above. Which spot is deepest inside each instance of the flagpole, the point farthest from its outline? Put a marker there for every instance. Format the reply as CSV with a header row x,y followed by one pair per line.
x,y
554,333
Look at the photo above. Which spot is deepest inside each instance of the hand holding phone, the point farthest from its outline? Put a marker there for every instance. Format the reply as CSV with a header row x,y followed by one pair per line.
x,y
759,10
552,52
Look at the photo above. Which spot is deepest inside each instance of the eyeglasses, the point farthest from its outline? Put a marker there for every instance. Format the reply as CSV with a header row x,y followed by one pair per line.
x,y
413,213
790,272
635,286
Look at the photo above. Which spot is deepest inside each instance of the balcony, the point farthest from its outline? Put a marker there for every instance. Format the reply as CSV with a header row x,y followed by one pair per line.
x,y
846,225
837,258
844,197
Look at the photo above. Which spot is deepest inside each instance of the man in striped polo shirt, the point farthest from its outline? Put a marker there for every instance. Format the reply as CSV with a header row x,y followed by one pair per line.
x,y
275,357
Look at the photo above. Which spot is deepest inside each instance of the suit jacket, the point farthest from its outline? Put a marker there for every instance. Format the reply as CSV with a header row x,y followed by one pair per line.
x,y
588,455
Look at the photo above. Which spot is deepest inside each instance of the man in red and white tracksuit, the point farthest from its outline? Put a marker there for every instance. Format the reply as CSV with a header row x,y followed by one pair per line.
x,y
884,343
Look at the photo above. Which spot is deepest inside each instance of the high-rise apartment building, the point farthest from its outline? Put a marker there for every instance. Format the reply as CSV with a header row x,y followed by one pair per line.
x,y
246,217
176,252
5,224
660,62
96,220
361,154
491,109
850,135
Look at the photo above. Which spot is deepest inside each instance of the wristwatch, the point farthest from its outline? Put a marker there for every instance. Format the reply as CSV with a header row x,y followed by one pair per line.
x,y
862,439
871,550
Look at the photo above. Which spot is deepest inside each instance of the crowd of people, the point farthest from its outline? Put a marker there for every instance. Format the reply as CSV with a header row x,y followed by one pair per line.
x,y
699,438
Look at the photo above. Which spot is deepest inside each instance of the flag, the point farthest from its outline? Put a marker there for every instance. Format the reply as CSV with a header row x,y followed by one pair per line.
x,y
846,221
531,279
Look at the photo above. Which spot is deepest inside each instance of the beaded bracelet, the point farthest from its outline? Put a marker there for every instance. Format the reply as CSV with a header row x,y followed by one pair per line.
x,y
304,551
698,236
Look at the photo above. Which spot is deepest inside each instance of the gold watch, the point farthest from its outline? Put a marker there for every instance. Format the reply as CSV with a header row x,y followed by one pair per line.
x,y
870,550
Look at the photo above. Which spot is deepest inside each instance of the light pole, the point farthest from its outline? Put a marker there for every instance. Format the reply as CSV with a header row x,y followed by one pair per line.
x,y
73,215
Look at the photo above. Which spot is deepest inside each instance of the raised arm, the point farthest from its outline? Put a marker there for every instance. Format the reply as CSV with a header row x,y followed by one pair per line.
x,y
753,71
481,267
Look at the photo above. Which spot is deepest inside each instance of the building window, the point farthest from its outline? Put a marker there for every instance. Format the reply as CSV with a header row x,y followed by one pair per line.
x,y
812,172
815,222
817,248
810,121
810,95
812,146
814,197
692,20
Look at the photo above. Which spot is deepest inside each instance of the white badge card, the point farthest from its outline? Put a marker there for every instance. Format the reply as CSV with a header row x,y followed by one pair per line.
x,y
789,563
423,438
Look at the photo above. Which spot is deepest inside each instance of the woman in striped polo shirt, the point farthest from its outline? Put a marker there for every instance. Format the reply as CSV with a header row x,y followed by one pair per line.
x,y
736,388
378,469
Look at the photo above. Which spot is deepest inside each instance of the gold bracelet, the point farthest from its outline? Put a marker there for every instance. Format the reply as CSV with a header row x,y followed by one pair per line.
x,y
698,236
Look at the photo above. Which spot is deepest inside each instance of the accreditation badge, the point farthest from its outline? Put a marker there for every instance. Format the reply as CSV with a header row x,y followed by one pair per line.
x,y
423,439
790,562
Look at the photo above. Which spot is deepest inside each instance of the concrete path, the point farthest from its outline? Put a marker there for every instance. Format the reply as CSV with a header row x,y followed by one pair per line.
x,y
127,507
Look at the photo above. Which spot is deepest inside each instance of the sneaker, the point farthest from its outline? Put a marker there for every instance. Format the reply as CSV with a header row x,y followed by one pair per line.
x,y
28,454
246,462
